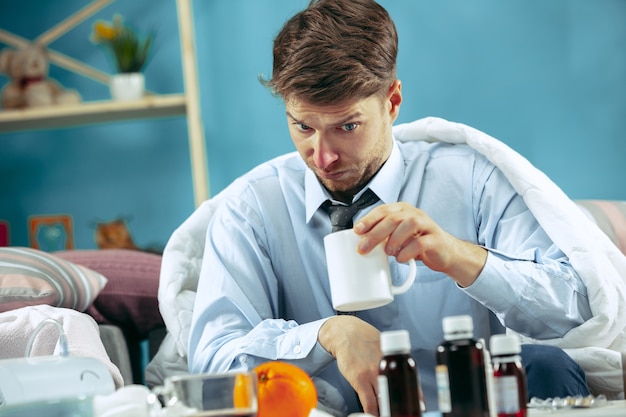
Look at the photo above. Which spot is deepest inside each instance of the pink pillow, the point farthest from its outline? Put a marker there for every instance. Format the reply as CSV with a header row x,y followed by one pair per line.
x,y
129,300
31,277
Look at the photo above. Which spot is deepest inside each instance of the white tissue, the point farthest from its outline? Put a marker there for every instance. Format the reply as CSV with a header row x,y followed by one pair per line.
x,y
128,401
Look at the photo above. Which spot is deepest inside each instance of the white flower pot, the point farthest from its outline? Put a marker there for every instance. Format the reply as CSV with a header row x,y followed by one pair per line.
x,y
127,86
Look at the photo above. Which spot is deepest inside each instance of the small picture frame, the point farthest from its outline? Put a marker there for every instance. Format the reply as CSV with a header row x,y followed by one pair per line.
x,y
51,232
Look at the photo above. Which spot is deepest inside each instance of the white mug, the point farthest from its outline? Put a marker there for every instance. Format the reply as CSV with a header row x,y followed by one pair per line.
x,y
360,282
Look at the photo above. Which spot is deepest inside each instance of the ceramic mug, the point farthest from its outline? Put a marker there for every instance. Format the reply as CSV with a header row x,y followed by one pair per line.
x,y
219,395
360,282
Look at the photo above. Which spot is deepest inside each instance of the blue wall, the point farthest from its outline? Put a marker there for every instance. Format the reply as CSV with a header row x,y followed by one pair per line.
x,y
546,77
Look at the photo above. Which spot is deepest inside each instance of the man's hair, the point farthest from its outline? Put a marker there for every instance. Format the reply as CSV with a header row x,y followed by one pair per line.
x,y
335,50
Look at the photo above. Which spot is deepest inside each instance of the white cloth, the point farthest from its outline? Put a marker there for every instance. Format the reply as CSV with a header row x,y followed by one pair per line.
x,y
595,344
83,338
129,401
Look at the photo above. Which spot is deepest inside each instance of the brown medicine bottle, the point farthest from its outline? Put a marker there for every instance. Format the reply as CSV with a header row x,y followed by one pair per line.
x,y
509,376
460,371
398,381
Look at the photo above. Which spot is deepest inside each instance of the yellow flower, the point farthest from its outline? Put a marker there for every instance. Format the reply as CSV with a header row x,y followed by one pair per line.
x,y
129,51
103,31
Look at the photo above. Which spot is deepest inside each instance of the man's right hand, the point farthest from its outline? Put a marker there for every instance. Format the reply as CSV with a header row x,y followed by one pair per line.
x,y
355,345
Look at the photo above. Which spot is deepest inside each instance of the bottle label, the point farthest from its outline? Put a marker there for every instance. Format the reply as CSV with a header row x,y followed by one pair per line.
x,y
507,397
384,408
443,388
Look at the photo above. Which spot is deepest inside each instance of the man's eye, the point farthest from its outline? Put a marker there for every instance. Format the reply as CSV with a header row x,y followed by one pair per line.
x,y
349,127
302,127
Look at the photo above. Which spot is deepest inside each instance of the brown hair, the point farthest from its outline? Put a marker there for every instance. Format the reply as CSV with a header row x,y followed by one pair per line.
x,y
335,50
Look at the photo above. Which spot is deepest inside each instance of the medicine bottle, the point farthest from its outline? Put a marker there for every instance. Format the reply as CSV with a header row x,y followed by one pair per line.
x,y
398,381
460,371
509,376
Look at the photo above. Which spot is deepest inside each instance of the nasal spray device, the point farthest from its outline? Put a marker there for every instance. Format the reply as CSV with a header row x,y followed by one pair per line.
x,y
39,379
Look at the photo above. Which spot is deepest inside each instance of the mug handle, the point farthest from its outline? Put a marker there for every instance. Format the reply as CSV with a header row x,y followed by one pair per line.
x,y
409,281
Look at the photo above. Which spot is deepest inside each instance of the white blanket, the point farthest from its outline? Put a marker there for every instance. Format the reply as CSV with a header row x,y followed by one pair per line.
x,y
595,344
17,326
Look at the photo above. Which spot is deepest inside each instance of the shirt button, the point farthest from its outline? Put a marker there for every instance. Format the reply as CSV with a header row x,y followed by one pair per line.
x,y
297,349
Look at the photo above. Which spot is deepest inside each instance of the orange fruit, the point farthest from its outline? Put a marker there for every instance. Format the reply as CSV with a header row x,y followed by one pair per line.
x,y
284,390
241,391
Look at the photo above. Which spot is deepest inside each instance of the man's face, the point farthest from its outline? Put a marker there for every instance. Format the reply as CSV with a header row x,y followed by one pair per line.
x,y
344,144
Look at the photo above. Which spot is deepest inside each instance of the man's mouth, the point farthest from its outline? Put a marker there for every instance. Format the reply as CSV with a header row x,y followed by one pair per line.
x,y
332,176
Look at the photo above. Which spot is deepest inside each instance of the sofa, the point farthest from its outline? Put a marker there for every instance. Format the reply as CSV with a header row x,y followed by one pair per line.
x,y
610,216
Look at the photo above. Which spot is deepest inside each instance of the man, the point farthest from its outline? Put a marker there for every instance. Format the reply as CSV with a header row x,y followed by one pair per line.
x,y
263,292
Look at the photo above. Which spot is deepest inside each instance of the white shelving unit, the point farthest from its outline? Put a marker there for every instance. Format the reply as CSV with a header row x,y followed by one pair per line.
x,y
151,106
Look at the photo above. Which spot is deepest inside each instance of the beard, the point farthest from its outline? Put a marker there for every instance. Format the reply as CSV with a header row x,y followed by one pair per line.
x,y
351,180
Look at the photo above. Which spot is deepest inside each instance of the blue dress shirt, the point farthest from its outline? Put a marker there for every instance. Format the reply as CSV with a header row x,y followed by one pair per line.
x,y
263,292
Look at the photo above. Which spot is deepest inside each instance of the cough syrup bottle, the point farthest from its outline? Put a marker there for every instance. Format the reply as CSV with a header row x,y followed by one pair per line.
x,y
398,381
460,371
509,377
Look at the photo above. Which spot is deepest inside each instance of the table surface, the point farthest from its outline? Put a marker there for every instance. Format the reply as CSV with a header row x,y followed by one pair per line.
x,y
613,409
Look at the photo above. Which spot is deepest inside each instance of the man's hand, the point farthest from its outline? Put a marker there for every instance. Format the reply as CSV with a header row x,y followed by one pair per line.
x,y
409,233
355,345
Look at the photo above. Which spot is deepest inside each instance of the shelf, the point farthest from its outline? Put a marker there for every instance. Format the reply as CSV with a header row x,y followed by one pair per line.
x,y
92,112
150,107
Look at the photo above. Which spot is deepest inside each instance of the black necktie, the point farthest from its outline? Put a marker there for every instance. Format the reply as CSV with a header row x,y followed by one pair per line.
x,y
341,216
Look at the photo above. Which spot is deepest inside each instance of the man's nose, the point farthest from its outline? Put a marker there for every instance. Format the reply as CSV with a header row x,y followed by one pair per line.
x,y
323,153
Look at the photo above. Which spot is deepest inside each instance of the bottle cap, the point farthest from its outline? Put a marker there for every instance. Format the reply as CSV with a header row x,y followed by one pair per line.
x,y
503,344
395,341
458,324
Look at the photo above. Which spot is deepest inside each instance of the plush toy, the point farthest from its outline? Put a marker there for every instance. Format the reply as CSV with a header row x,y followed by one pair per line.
x,y
29,85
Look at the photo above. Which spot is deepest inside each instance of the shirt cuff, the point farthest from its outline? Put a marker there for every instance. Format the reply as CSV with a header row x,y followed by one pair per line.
x,y
303,347
494,287
299,345
301,341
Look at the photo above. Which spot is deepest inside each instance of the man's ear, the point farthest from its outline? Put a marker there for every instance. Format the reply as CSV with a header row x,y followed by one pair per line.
x,y
394,98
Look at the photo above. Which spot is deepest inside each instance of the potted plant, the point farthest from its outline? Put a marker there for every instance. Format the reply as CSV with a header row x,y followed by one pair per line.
x,y
129,51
